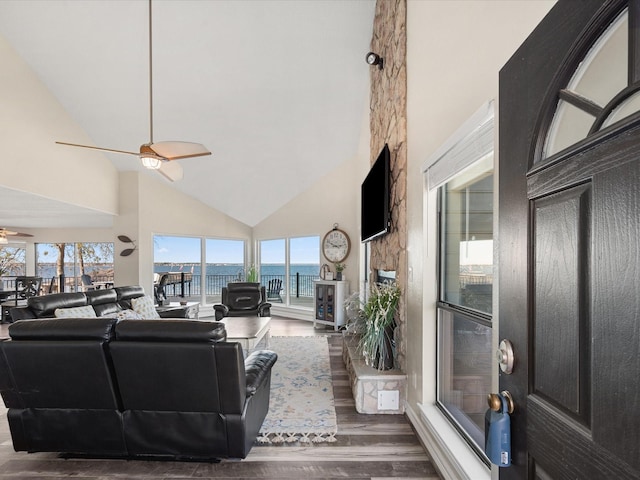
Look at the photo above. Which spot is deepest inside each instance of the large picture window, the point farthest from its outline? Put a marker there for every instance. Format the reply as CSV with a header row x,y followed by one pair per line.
x,y
182,260
288,267
69,267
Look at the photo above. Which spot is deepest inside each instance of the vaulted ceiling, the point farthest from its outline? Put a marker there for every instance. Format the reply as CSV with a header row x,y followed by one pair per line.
x,y
276,89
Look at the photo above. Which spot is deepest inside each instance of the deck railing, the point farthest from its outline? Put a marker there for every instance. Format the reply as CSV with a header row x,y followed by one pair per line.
x,y
299,285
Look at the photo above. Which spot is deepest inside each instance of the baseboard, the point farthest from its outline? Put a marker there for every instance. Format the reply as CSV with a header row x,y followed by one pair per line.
x,y
295,313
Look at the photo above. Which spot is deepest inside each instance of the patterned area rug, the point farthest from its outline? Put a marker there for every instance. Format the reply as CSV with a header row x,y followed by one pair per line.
x,y
301,407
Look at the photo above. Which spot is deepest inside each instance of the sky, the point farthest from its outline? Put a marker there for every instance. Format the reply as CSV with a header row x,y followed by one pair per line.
x,y
169,249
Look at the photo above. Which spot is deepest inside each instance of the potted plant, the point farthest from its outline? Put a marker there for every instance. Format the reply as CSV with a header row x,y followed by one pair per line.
x,y
339,268
252,274
375,322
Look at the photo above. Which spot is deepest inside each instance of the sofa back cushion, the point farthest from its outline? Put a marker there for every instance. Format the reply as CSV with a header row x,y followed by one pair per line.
x,y
243,296
104,301
60,363
180,365
125,294
46,305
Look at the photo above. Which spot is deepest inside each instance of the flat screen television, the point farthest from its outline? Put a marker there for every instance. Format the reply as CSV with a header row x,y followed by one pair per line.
x,y
376,215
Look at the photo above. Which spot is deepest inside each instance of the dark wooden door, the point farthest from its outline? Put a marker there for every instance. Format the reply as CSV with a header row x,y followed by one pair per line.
x,y
569,267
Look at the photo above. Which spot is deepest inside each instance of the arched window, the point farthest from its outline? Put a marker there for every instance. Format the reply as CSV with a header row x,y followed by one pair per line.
x,y
603,91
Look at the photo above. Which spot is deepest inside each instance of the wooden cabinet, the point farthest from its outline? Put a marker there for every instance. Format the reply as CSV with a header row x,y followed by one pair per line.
x,y
329,302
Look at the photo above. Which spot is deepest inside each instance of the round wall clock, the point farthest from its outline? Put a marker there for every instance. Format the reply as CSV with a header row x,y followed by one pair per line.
x,y
336,245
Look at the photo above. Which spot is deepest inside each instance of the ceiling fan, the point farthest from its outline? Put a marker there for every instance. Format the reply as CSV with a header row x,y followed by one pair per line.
x,y
157,155
4,233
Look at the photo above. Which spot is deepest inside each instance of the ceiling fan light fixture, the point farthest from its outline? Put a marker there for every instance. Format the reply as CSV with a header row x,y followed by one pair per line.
x,y
3,240
152,163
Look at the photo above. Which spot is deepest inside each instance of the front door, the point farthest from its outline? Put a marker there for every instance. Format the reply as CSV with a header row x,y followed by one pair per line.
x,y
569,243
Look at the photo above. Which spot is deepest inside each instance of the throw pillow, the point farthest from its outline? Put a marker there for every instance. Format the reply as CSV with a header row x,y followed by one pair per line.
x,y
124,315
145,307
75,312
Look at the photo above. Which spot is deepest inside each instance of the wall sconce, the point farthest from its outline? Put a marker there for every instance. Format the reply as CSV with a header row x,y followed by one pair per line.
x,y
374,59
127,251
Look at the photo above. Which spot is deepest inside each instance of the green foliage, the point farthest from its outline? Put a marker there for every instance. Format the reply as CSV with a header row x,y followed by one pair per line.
x,y
374,321
252,274
340,266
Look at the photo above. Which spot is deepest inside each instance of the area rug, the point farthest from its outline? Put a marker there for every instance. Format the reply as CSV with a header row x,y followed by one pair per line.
x,y
301,408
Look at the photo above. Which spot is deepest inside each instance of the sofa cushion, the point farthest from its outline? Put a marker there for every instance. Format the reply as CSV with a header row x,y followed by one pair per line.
x,y
45,305
75,312
145,307
63,329
125,294
172,330
124,315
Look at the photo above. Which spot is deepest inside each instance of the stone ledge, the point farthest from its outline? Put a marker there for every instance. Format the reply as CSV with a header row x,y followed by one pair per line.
x,y
366,382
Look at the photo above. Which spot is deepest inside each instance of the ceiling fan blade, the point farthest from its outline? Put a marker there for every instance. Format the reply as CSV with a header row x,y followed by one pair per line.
x,y
5,232
178,150
98,148
172,171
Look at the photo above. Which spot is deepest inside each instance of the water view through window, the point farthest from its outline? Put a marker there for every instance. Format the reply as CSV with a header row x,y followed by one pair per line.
x,y
290,279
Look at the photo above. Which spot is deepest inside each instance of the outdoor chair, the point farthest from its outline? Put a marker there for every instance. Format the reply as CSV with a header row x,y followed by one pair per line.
x,y
159,289
243,299
27,287
87,283
274,286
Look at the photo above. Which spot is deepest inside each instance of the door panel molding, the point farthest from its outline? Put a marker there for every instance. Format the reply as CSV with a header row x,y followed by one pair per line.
x,y
561,322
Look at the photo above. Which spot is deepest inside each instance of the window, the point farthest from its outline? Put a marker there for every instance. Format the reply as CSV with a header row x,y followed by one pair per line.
x,y
182,258
62,265
224,264
12,264
459,208
296,263
465,299
601,91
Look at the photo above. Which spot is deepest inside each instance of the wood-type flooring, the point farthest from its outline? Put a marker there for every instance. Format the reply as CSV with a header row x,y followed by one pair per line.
x,y
368,447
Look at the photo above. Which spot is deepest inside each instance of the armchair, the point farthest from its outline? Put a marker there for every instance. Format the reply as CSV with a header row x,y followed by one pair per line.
x,y
243,299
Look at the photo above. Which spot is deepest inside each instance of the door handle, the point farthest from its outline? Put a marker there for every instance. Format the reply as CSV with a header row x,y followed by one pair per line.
x,y
495,402
505,356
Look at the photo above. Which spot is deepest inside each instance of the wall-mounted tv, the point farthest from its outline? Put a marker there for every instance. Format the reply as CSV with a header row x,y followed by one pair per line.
x,y
376,214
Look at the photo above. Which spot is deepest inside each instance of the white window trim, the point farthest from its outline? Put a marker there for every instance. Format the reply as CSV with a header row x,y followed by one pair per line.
x,y
451,454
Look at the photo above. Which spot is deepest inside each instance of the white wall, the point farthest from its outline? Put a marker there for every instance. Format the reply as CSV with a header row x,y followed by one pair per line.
x,y
335,198
149,206
455,50
31,120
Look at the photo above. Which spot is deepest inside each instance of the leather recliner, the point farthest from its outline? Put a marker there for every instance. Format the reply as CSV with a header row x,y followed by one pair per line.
x,y
243,299
134,388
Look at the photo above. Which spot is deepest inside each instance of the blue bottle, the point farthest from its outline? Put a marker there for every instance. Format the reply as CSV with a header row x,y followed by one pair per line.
x,y
497,435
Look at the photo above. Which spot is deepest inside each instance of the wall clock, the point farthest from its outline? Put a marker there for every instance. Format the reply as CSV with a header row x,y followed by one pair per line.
x,y
336,245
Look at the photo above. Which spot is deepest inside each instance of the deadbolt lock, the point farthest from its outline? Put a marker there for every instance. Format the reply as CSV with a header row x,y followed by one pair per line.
x,y
505,358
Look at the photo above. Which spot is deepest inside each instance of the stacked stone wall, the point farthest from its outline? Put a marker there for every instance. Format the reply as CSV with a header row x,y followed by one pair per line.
x,y
388,123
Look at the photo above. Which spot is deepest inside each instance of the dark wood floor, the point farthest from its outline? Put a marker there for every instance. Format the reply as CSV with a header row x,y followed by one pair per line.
x,y
368,446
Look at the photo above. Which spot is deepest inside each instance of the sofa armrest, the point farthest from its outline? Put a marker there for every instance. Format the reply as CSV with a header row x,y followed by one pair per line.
x,y
258,368
221,311
21,313
264,310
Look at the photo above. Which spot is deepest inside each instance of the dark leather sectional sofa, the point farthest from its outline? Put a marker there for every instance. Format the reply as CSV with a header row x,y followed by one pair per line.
x,y
134,388
104,302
